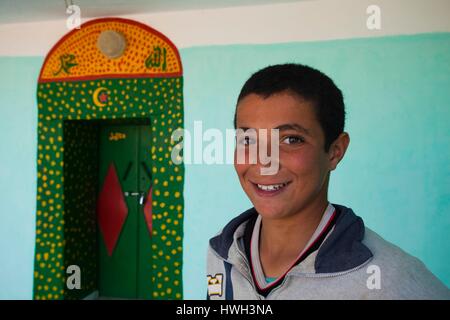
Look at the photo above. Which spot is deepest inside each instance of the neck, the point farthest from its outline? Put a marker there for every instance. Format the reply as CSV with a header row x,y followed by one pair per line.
x,y
283,239
296,227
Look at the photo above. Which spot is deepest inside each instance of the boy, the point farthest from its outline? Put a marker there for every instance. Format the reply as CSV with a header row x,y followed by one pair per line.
x,y
294,244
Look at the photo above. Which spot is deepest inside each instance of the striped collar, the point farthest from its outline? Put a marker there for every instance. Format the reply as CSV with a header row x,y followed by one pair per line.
x,y
323,228
342,250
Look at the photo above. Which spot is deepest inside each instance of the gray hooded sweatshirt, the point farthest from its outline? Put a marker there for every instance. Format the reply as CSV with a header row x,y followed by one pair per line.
x,y
353,262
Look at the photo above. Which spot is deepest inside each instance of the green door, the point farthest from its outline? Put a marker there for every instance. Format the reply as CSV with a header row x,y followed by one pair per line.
x,y
124,236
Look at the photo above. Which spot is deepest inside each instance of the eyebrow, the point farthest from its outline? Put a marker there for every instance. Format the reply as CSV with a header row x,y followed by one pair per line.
x,y
287,126
293,126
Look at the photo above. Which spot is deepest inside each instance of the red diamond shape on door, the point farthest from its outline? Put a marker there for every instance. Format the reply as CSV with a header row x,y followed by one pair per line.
x,y
148,211
112,209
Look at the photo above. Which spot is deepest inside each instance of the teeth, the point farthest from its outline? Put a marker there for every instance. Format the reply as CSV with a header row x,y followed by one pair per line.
x,y
271,187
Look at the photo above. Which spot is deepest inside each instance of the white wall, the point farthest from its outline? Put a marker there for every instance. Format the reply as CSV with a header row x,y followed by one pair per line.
x,y
291,22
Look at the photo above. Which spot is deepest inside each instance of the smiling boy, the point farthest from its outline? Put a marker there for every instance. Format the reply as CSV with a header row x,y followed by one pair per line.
x,y
295,244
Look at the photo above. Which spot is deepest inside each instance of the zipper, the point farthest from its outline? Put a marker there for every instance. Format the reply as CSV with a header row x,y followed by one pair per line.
x,y
250,281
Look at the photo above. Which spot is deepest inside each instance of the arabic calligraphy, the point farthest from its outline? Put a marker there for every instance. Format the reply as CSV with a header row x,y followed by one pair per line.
x,y
157,58
67,61
116,136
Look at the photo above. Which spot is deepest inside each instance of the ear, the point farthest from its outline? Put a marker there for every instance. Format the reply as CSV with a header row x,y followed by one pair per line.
x,y
338,149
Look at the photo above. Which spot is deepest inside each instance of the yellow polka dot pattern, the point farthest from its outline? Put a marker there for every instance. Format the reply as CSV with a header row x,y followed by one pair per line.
x,y
62,238
90,61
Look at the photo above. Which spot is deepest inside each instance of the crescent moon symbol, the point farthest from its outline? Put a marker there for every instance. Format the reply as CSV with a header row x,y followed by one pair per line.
x,y
95,97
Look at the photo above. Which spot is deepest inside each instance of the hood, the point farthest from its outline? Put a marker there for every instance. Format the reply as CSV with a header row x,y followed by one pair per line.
x,y
341,251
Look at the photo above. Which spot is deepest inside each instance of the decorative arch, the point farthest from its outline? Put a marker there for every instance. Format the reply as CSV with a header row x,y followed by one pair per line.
x,y
79,82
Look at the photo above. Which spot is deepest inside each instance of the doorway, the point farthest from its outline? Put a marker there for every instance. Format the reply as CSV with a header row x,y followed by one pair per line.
x,y
108,191
79,83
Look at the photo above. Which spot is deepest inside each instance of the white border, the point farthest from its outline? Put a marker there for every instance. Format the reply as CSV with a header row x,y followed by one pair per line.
x,y
289,22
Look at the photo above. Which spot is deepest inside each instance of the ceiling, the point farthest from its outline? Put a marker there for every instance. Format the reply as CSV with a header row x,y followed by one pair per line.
x,y
19,11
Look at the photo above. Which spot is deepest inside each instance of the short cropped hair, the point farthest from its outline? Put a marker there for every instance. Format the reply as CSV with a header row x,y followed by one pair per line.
x,y
309,84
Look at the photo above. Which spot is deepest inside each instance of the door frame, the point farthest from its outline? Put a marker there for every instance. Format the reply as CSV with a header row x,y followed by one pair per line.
x,y
154,95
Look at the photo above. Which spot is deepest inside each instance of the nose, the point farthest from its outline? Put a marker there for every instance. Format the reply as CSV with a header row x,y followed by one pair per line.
x,y
268,156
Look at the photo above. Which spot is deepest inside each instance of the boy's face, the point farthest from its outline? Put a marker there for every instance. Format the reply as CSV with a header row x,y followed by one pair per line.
x,y
303,164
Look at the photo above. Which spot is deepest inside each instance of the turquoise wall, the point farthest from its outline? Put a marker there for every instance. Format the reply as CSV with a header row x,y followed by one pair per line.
x,y
396,173
18,149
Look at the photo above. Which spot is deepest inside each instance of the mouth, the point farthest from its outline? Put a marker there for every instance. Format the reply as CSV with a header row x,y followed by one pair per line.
x,y
269,190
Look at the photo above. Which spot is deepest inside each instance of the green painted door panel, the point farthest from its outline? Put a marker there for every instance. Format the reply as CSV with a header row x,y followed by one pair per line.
x,y
127,272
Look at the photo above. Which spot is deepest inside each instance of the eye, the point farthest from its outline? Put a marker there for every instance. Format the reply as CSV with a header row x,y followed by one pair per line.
x,y
246,140
293,140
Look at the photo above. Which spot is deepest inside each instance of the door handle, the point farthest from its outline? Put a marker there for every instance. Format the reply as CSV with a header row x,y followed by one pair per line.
x,y
131,194
141,195
142,199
